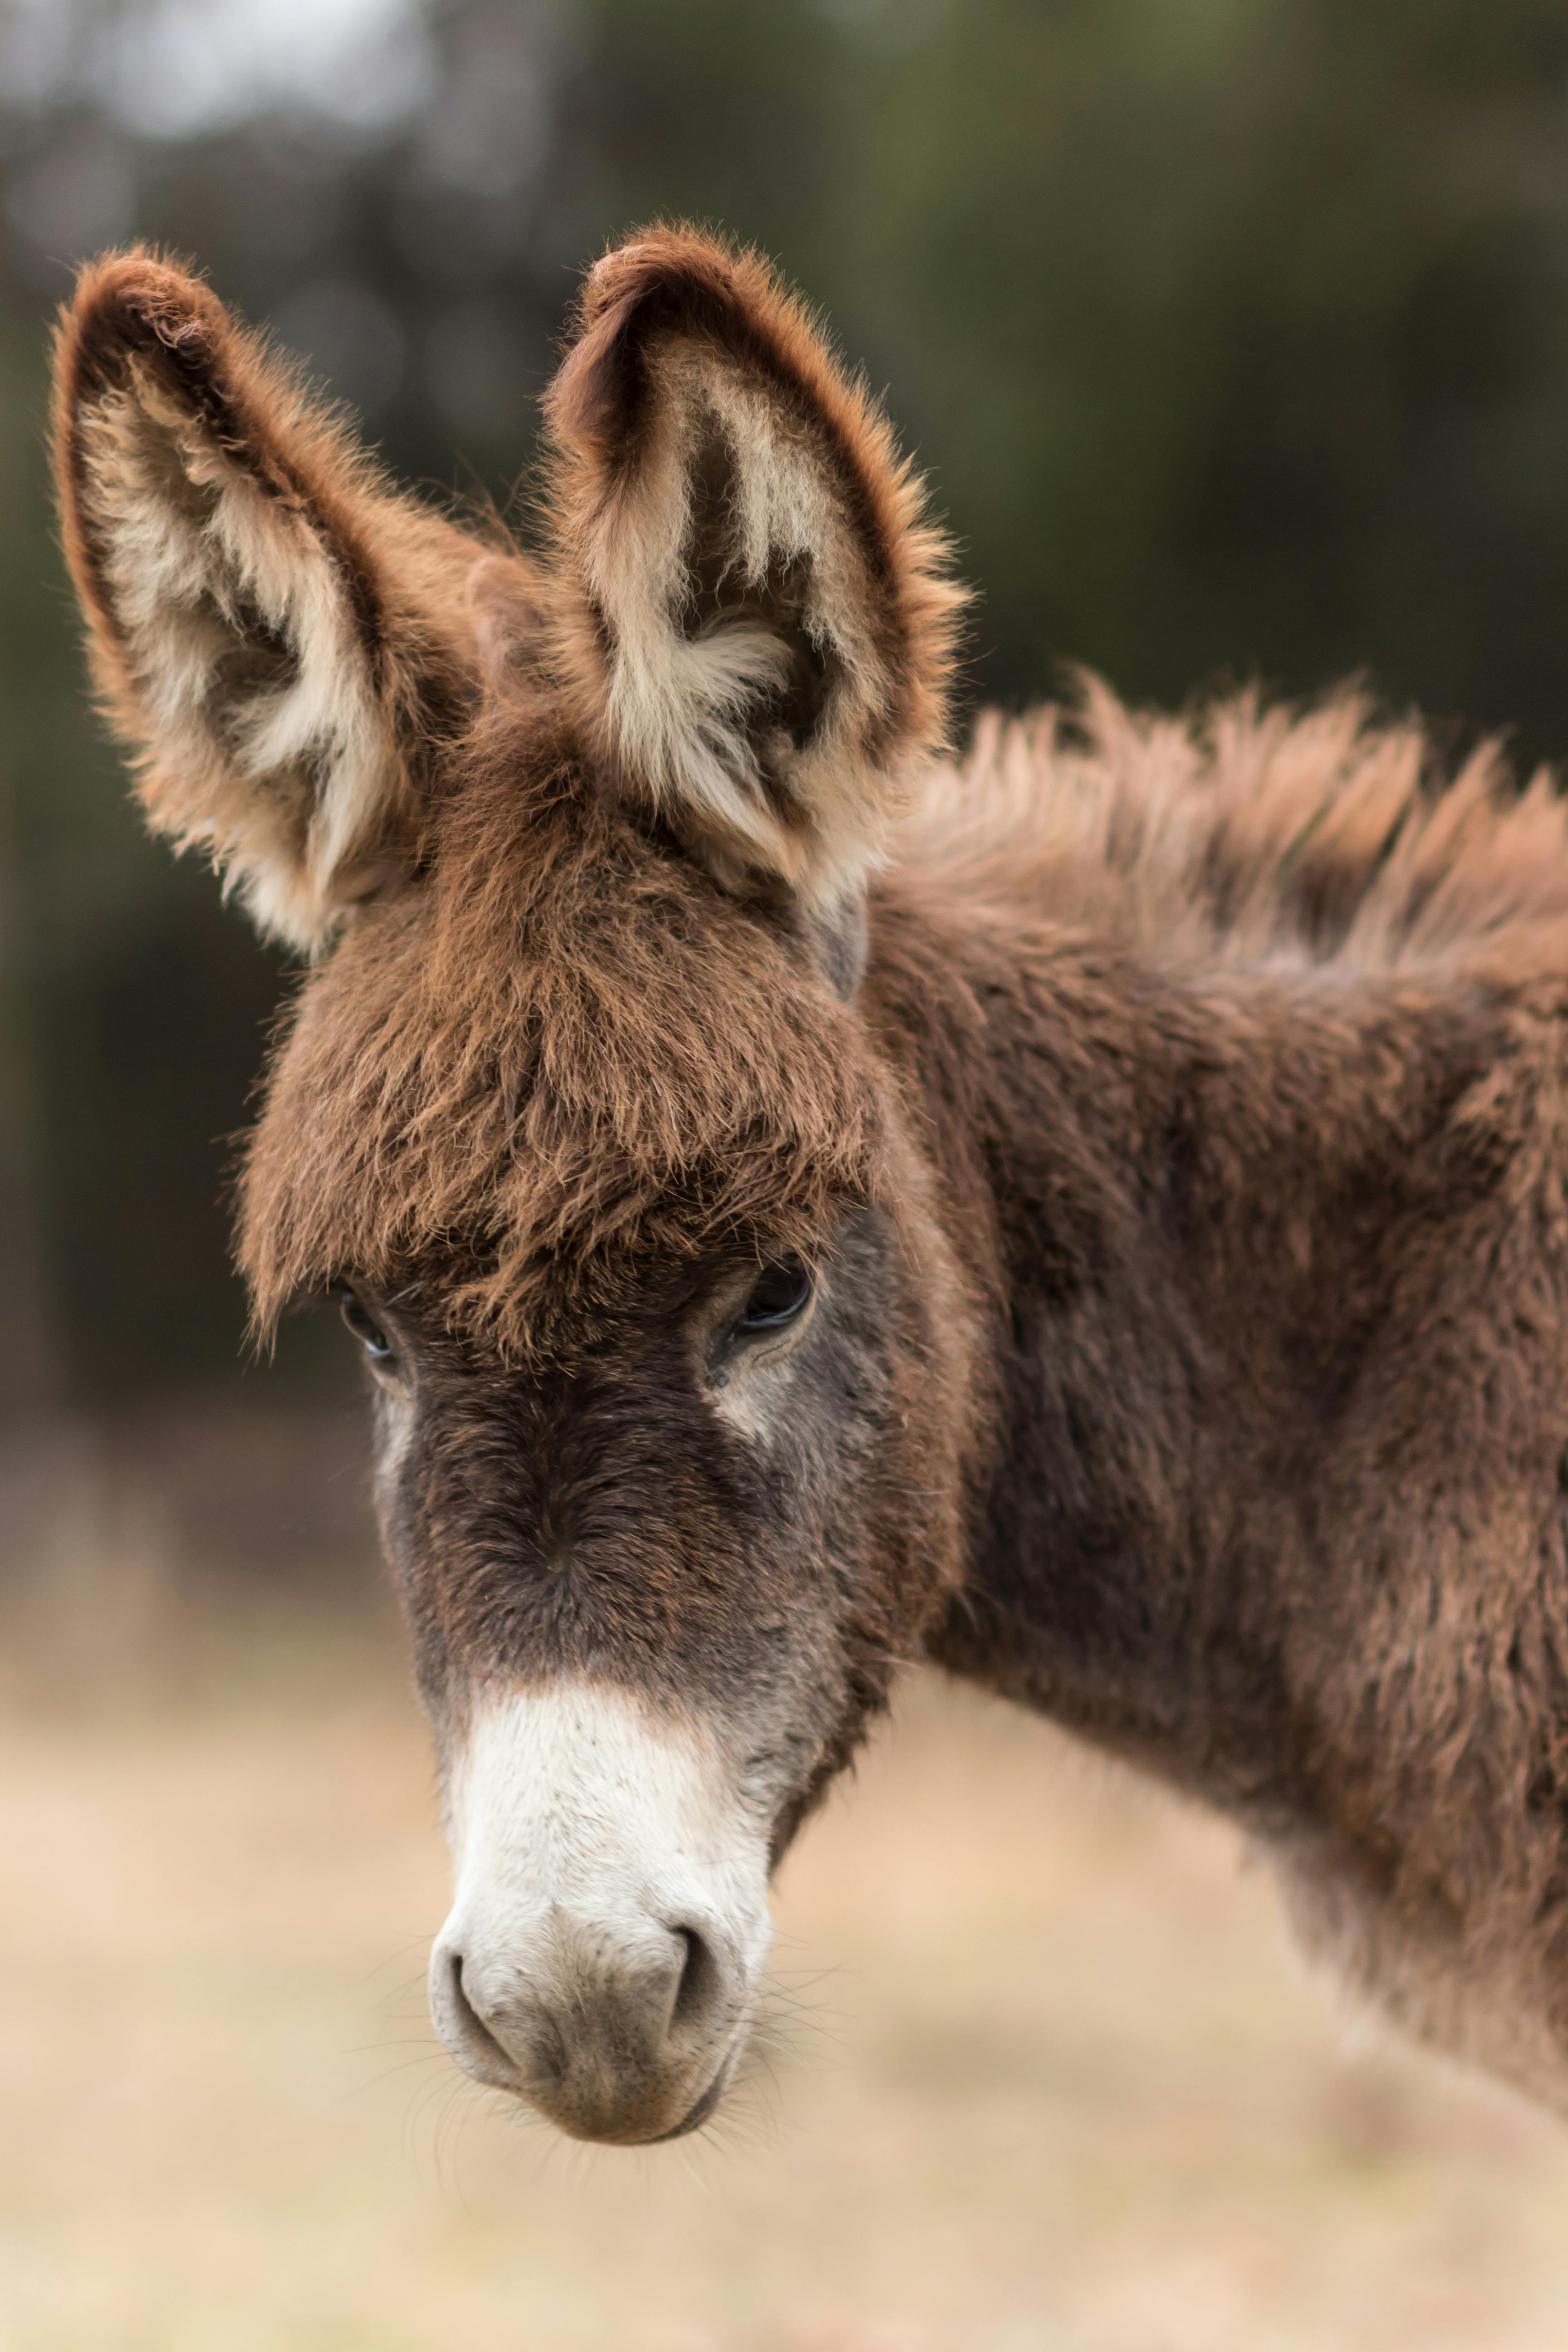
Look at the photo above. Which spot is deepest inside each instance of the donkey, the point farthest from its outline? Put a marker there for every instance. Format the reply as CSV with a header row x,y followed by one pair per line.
x,y
1091,1215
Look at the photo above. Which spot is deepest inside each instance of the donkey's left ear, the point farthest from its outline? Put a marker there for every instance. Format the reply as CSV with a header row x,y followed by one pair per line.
x,y
280,638
756,626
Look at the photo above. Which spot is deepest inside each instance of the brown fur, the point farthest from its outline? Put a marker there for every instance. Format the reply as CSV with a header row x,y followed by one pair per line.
x,y
503,1072
1178,1124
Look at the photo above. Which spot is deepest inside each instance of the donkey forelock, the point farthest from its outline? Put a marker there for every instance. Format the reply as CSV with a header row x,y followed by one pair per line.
x,y
569,1043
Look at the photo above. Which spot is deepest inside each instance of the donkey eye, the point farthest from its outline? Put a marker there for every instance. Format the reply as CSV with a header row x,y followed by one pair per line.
x,y
366,1330
778,1295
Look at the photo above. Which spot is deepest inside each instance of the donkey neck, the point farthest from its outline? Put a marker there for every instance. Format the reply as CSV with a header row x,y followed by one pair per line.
x,y
1210,1213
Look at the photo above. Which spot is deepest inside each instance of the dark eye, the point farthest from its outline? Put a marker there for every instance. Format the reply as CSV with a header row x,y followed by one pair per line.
x,y
778,1294
366,1330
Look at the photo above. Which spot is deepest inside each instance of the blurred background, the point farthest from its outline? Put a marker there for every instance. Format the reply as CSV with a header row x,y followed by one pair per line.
x,y
1234,334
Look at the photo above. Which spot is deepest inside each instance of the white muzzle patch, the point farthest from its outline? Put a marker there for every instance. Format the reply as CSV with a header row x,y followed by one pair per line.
x,y
609,1925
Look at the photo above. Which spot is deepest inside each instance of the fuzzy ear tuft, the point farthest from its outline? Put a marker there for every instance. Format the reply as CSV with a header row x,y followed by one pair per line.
x,y
271,627
756,629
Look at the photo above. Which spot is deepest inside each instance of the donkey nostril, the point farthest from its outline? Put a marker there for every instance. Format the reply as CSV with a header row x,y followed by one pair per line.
x,y
699,1984
474,2030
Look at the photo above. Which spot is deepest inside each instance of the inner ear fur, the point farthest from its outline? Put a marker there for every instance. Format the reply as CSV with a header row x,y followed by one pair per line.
x,y
278,634
755,627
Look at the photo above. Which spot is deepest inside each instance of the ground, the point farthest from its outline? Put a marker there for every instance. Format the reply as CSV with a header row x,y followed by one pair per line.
x,y
1048,2076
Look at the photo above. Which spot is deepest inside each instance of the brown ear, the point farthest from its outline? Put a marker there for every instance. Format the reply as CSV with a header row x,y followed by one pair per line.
x,y
278,635
756,629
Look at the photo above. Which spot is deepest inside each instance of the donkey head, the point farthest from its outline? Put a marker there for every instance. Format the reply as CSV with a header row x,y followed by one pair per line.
x,y
585,1112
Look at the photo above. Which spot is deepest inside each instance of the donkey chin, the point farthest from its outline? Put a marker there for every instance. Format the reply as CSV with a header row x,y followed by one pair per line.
x,y
605,1947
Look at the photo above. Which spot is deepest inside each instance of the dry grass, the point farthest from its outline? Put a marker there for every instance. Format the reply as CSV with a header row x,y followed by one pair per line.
x,y
1050,2079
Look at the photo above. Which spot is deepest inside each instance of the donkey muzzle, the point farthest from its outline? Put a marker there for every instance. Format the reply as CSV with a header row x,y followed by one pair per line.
x,y
605,1945
612,2033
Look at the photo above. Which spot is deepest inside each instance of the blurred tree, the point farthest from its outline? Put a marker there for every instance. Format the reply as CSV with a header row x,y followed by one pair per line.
x,y
1233,331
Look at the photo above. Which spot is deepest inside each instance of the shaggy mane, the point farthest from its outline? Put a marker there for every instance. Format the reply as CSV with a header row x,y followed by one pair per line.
x,y
1245,834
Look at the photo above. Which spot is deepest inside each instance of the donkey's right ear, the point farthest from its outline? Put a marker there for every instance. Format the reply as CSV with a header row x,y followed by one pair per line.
x,y
755,623
280,673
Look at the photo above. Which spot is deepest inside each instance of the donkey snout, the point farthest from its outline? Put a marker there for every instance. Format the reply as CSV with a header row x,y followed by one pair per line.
x,y
611,2032
609,1925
